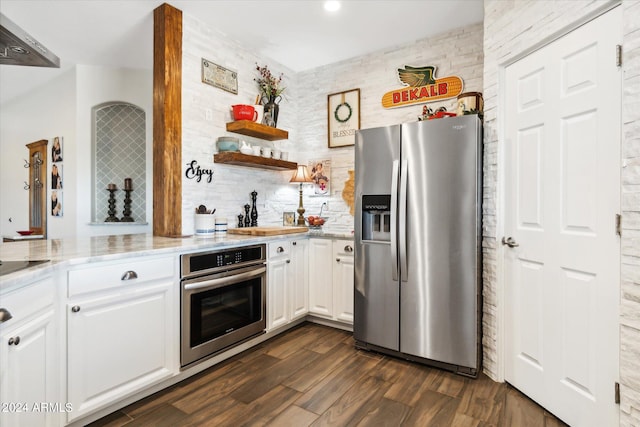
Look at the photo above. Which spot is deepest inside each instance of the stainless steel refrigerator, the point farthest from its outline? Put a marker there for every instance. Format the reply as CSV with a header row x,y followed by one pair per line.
x,y
418,242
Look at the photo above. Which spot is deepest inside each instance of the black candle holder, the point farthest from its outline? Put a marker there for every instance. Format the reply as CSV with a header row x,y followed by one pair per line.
x,y
112,206
127,207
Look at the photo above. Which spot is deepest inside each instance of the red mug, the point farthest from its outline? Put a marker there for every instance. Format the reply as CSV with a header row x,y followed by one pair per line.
x,y
244,112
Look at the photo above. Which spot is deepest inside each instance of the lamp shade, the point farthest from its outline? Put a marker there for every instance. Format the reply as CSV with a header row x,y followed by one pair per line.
x,y
301,175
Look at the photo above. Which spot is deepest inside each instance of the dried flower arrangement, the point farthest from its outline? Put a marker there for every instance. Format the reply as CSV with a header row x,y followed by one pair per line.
x,y
268,84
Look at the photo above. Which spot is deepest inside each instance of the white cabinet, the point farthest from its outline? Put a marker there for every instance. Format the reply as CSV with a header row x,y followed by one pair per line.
x,y
29,358
331,279
299,274
343,280
277,284
287,282
122,327
321,277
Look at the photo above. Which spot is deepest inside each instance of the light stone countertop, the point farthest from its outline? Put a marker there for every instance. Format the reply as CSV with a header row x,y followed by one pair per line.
x,y
70,252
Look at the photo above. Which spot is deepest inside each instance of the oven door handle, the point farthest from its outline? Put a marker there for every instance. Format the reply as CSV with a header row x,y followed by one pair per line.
x,y
214,283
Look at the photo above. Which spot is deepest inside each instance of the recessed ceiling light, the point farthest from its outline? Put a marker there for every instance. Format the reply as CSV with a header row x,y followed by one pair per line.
x,y
331,5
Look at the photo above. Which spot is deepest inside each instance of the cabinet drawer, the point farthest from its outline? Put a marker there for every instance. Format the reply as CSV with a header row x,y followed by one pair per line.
x,y
130,273
279,249
29,300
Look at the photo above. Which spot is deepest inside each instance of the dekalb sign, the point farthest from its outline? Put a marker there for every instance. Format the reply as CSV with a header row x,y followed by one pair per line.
x,y
422,88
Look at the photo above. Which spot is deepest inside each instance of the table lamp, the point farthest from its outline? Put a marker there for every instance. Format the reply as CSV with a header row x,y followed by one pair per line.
x,y
301,176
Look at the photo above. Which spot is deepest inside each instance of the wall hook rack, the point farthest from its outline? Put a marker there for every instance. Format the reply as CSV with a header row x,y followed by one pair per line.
x,y
26,165
26,185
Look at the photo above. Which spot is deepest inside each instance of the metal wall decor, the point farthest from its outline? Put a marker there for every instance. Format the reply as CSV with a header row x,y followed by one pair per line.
x,y
220,77
195,171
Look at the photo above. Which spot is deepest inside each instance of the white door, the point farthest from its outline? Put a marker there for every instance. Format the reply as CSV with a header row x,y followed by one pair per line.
x,y
562,152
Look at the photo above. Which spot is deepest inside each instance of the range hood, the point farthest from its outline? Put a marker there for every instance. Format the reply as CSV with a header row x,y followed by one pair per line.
x,y
17,47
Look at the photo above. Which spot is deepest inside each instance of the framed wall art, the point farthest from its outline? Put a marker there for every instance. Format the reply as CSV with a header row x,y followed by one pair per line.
x,y
343,117
288,219
320,172
219,76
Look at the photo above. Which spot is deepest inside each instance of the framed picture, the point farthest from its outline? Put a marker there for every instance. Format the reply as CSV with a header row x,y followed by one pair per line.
x,y
56,149
56,203
56,176
320,172
343,117
288,219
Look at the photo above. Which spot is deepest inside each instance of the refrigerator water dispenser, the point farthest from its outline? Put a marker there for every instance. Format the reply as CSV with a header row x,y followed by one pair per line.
x,y
376,217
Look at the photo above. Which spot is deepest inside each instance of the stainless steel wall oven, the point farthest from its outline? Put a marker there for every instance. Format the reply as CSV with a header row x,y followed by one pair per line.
x,y
223,300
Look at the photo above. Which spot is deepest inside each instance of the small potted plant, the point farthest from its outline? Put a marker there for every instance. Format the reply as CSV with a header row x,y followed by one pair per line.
x,y
271,89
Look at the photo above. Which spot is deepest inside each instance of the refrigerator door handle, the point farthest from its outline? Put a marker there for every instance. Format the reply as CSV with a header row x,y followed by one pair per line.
x,y
394,219
403,221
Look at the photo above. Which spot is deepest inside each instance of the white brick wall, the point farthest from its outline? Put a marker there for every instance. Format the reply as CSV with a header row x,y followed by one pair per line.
x,y
511,27
304,114
231,185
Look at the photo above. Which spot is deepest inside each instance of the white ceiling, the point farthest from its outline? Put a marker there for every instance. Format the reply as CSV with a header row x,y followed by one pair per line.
x,y
299,34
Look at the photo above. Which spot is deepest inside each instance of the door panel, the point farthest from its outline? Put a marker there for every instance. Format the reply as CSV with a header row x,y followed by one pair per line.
x,y
440,283
579,185
562,181
376,294
529,177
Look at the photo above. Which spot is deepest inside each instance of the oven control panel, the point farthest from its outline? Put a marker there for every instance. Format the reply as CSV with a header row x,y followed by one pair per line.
x,y
212,261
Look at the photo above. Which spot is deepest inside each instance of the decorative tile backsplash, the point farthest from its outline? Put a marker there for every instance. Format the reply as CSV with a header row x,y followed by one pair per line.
x,y
119,154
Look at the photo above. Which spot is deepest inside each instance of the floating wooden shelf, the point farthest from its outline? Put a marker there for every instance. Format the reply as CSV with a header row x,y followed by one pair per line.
x,y
257,130
239,159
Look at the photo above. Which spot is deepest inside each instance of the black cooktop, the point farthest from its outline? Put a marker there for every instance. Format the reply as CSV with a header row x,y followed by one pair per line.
x,y
7,267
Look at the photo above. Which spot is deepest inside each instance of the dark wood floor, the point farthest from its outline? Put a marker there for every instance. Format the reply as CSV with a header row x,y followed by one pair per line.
x,y
313,376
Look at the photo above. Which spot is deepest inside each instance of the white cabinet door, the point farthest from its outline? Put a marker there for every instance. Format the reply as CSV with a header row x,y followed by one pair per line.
x,y
299,279
320,277
343,280
28,373
277,285
119,344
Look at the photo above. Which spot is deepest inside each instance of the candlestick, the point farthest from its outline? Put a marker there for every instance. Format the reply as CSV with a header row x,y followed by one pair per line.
x,y
112,204
128,184
111,187
127,206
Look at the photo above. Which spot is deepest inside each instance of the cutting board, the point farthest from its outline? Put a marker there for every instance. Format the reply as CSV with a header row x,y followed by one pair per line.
x,y
267,231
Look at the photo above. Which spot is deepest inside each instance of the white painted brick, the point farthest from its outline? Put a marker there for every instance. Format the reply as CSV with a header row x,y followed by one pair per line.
x,y
303,113
511,27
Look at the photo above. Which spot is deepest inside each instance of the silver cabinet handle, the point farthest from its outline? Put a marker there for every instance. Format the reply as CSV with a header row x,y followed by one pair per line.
x,y
280,249
4,315
222,281
75,308
510,242
14,341
348,249
128,275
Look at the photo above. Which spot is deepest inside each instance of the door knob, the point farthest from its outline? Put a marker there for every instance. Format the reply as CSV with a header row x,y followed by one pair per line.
x,y
510,242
